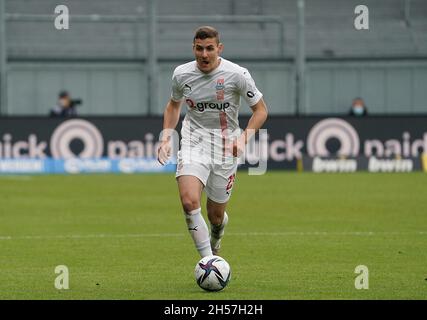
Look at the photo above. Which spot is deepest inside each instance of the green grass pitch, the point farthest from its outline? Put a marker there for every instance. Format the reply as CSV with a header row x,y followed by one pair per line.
x,y
290,236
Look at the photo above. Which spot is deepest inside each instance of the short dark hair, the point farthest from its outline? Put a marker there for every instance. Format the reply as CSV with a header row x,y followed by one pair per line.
x,y
63,94
206,32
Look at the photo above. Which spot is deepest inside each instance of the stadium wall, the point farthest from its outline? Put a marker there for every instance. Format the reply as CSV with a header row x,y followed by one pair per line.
x,y
120,88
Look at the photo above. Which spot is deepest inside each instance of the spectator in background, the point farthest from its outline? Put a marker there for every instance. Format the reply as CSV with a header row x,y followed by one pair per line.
x,y
358,108
65,107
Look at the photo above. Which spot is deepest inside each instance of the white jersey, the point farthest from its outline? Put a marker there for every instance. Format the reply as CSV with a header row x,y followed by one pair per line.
x,y
213,102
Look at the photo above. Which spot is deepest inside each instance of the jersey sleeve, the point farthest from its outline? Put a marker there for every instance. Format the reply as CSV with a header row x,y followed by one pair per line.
x,y
177,90
248,89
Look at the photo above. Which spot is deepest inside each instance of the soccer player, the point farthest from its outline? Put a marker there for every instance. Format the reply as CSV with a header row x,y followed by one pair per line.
x,y
211,140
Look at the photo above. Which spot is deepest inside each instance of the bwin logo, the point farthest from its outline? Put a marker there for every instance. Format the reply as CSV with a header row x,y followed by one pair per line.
x,y
333,128
86,132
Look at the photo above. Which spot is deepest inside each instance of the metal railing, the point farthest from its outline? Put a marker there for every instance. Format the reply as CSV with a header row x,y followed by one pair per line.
x,y
276,19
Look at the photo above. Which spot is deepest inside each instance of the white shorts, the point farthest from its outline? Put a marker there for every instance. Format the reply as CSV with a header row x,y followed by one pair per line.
x,y
218,179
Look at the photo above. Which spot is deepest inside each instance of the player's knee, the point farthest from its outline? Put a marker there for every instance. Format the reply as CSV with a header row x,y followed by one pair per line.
x,y
215,216
189,203
215,220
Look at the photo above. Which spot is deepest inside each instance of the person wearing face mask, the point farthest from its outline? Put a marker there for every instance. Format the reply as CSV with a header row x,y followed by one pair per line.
x,y
358,108
65,107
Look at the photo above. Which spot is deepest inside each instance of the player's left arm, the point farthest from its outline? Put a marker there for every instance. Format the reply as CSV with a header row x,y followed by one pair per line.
x,y
259,116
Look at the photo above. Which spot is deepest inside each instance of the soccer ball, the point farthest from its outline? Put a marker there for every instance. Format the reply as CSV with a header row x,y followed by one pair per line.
x,y
212,273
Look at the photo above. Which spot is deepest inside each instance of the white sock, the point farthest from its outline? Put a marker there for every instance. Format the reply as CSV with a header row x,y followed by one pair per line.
x,y
199,232
217,231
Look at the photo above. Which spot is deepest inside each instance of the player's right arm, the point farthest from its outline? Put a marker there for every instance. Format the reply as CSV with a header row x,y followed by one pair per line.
x,y
170,121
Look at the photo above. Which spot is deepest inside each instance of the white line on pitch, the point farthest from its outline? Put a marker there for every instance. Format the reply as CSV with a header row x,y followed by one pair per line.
x,y
238,234
15,177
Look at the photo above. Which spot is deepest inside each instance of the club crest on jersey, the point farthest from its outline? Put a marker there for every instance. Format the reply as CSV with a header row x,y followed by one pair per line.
x,y
220,89
220,84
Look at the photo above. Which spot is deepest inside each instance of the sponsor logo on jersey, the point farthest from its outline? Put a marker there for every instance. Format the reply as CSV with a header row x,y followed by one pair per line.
x,y
202,106
187,90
